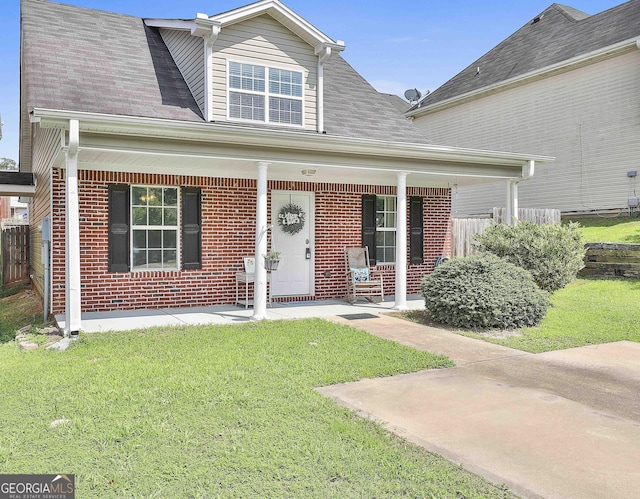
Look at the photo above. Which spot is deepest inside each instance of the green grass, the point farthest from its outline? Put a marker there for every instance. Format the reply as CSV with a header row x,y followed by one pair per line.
x,y
18,307
610,229
216,411
586,312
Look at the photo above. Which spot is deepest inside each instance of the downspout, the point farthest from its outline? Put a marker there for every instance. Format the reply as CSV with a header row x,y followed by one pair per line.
x,y
323,54
72,233
528,171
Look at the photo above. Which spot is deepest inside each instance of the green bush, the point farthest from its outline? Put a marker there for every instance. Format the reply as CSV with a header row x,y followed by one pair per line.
x,y
483,291
553,253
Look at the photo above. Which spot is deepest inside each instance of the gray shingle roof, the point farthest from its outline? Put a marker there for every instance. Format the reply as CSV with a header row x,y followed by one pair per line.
x,y
80,59
559,34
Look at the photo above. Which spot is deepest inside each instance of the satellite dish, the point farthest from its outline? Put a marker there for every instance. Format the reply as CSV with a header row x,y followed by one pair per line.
x,y
412,95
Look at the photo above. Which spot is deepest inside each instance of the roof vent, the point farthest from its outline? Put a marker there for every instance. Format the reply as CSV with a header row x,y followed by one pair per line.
x,y
537,19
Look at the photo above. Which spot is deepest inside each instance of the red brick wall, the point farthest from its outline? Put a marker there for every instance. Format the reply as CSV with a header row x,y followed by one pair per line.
x,y
228,229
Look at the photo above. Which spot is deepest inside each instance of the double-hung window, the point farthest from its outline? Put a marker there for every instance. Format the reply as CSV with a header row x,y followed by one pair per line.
x,y
379,228
154,223
386,229
265,94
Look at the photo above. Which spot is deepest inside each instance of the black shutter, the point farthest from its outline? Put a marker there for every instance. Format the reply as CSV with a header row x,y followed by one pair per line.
x,y
416,236
369,225
119,249
191,230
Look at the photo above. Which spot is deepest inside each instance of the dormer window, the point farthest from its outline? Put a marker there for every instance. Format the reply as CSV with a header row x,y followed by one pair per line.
x,y
265,94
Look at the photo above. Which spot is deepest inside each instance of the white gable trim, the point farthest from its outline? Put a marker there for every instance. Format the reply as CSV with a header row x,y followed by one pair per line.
x,y
285,16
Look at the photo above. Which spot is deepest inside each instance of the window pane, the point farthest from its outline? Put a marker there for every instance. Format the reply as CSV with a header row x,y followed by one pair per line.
x,y
155,196
390,220
155,216
285,110
155,239
170,196
170,216
139,196
139,239
169,239
140,216
155,258
139,259
169,258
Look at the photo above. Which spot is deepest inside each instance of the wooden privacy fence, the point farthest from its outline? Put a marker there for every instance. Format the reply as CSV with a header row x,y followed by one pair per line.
x,y
464,229
15,255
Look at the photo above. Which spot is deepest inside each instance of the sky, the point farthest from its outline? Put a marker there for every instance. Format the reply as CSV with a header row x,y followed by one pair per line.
x,y
393,44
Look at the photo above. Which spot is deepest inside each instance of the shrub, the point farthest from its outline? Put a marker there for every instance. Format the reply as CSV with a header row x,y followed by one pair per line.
x,y
483,291
553,253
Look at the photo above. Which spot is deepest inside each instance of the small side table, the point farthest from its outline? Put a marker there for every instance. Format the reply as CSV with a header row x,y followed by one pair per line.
x,y
246,279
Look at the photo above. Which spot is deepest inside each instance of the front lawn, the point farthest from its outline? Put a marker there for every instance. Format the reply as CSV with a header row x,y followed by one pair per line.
x,y
216,411
586,312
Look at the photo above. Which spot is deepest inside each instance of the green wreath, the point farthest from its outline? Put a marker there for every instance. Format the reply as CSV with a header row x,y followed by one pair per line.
x,y
291,218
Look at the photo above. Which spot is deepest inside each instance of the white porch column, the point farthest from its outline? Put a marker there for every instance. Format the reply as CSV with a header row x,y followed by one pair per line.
x,y
401,244
260,284
511,215
72,233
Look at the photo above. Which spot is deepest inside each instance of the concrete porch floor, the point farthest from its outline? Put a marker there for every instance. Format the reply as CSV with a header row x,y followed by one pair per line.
x,y
95,322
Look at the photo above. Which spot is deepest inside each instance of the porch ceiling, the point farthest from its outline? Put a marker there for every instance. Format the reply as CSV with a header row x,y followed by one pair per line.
x,y
233,161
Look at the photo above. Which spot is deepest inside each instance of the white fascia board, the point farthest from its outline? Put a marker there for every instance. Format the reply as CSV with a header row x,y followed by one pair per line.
x,y
565,65
17,190
266,138
305,30
177,24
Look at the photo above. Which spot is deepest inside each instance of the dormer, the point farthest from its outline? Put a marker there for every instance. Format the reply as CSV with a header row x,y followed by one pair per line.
x,y
261,64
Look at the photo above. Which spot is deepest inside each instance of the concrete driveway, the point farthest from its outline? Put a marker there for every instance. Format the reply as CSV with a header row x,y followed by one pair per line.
x,y
562,424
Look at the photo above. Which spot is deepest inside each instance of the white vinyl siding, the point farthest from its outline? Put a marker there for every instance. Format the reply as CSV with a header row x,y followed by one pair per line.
x,y
264,41
188,53
586,118
47,147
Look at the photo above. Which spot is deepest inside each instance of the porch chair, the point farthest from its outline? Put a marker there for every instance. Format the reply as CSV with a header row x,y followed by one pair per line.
x,y
361,280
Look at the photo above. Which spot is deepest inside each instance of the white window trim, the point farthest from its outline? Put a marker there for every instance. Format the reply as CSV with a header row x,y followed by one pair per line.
x,y
266,93
159,227
388,229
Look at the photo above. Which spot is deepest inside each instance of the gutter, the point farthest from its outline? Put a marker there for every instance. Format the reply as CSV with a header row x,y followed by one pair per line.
x,y
276,139
565,65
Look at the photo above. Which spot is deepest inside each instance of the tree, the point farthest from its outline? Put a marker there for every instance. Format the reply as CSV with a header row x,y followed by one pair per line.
x,y
8,164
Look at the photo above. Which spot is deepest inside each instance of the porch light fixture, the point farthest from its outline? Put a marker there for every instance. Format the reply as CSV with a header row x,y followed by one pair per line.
x,y
310,172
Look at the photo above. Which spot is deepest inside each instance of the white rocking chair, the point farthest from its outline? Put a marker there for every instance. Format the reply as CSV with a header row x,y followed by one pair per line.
x,y
361,280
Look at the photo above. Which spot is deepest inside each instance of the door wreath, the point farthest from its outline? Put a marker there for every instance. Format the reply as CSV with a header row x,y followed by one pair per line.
x,y
291,218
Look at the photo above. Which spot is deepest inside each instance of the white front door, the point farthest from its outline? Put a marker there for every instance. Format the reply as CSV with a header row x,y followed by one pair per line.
x,y
292,235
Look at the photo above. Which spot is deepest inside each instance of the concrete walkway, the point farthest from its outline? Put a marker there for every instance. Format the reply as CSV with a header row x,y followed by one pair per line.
x,y
562,424
95,322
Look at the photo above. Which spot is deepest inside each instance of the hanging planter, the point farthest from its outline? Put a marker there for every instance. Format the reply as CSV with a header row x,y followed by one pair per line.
x,y
291,218
272,260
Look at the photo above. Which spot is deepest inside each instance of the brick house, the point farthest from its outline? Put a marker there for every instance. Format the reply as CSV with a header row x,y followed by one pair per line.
x,y
166,150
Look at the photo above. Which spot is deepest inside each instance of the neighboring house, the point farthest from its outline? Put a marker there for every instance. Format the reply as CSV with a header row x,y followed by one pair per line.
x,y
167,150
566,85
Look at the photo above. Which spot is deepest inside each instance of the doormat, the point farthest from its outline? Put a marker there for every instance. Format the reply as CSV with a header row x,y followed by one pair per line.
x,y
354,317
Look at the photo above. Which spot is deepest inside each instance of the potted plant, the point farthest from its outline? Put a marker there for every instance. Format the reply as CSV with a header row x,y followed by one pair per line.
x,y
272,260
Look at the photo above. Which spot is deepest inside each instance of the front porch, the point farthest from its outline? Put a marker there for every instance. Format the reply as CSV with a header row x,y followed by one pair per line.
x,y
95,322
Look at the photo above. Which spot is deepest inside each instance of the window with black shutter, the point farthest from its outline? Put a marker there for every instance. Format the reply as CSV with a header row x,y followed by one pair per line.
x,y
118,245
416,236
191,230
369,225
